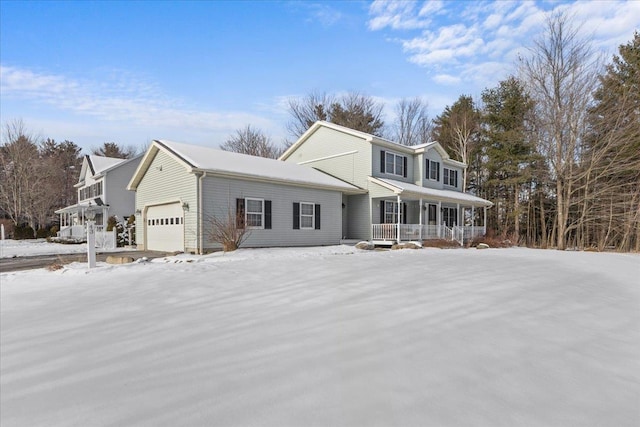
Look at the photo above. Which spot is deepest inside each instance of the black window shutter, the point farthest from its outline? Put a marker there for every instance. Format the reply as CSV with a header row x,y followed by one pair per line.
x,y
438,173
404,213
240,213
405,167
381,211
267,214
426,167
455,178
296,216
317,214
382,159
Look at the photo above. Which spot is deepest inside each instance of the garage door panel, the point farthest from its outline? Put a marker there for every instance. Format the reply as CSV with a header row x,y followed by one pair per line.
x,y
165,228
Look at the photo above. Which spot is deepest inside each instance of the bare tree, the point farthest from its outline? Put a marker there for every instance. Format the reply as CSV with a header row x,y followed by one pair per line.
x,y
228,229
251,141
412,125
560,72
353,110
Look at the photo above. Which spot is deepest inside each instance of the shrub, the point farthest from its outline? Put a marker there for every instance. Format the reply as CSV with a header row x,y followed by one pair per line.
x,y
22,232
440,243
42,233
227,230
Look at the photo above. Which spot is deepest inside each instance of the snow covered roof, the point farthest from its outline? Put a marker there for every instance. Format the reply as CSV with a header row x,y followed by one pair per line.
x,y
100,163
444,195
199,158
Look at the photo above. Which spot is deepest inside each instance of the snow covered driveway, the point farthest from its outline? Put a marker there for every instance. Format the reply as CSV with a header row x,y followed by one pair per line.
x,y
326,337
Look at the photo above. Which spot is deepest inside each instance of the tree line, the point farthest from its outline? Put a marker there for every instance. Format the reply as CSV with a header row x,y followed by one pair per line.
x,y
555,147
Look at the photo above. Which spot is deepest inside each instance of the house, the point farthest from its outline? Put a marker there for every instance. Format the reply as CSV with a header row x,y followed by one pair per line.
x,y
411,192
179,188
101,188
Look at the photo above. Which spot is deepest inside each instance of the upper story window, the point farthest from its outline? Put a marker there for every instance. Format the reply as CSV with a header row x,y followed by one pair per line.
x,y
393,164
450,177
432,170
91,191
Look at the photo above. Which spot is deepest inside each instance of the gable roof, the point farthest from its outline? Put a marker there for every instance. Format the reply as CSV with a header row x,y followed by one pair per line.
x,y
409,149
213,161
93,165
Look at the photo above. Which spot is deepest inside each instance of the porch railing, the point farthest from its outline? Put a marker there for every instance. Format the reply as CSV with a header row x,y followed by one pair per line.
x,y
104,239
409,232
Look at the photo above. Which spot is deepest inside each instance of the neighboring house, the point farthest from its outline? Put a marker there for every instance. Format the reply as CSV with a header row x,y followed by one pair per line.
x,y
180,187
412,192
102,189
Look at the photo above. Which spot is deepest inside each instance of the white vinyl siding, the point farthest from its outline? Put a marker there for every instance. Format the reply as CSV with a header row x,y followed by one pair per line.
x,y
167,181
349,157
219,192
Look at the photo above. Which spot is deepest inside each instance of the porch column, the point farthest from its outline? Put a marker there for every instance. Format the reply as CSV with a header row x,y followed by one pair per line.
x,y
399,217
458,221
473,221
484,222
420,219
439,219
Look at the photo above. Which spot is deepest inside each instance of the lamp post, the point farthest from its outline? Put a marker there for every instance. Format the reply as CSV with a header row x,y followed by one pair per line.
x,y
91,237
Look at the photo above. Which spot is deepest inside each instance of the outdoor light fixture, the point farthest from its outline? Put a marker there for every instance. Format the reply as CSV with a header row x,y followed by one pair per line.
x,y
138,211
185,207
90,214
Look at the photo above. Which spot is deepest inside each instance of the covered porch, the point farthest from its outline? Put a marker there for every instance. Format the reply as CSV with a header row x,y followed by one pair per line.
x,y
407,212
73,223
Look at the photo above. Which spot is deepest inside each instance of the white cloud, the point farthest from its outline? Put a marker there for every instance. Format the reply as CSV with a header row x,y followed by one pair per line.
x,y
478,41
446,79
398,15
118,104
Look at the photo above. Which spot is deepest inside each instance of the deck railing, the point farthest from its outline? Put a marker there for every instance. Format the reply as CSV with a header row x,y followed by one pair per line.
x,y
104,239
416,232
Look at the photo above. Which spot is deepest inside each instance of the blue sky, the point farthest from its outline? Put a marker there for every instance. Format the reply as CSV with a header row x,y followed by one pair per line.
x,y
195,72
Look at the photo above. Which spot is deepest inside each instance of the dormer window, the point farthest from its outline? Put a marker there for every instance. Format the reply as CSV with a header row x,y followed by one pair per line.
x,y
393,164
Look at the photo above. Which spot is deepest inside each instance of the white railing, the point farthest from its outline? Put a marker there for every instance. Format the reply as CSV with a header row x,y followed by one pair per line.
x,y
384,232
104,239
408,232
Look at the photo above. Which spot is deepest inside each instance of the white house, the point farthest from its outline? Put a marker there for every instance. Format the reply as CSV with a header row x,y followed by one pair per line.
x,y
411,192
101,187
180,187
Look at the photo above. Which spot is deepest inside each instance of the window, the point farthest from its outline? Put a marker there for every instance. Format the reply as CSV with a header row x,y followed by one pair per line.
x,y
306,216
432,170
450,216
392,163
450,177
254,213
390,212
395,164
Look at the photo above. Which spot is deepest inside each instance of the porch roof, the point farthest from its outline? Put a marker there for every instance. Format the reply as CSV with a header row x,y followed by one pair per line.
x,y
79,207
416,192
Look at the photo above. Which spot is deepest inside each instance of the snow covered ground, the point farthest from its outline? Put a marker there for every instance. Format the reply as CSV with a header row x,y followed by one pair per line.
x,y
20,248
326,336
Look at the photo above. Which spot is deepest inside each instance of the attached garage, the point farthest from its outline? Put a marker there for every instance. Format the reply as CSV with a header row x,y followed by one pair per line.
x,y
165,228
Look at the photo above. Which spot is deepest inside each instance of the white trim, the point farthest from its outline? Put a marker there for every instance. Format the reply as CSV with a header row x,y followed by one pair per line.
x,y
328,157
246,213
313,216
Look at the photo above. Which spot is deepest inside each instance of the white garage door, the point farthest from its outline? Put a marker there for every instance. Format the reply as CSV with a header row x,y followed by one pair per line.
x,y
165,228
